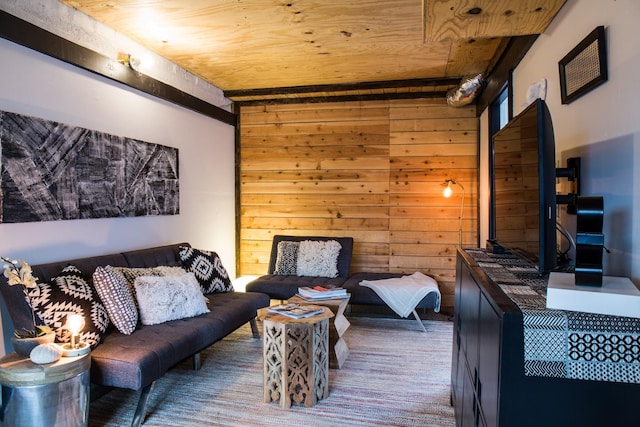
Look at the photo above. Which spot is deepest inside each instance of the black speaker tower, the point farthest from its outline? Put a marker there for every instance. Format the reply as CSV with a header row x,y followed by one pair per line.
x,y
589,240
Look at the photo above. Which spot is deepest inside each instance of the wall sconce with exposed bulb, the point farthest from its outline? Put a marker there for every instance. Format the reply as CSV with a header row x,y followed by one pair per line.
x,y
448,192
133,62
75,323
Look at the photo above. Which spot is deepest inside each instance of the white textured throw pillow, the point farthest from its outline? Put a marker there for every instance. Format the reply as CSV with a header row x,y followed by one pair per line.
x,y
318,258
164,298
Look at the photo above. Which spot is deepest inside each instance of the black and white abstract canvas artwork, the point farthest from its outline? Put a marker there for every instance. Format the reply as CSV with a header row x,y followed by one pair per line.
x,y
52,171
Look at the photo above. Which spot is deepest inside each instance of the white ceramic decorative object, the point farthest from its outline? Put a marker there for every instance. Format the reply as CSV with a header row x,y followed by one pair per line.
x,y
46,353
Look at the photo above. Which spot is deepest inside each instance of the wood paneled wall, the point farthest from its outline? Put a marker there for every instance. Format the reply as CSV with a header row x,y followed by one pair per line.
x,y
373,170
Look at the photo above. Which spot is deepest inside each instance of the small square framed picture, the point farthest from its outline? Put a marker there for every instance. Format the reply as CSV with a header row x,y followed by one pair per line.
x,y
585,67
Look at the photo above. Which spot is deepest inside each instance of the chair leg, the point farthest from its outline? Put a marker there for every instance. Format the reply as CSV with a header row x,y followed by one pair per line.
x,y
138,417
419,321
197,364
254,328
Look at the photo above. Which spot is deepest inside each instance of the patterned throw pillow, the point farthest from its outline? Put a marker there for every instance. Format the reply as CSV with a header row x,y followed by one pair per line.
x,y
67,293
168,298
117,298
130,274
286,258
170,271
318,258
208,269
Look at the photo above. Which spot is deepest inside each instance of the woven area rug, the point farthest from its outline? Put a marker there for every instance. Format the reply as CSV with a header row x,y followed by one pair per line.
x,y
395,375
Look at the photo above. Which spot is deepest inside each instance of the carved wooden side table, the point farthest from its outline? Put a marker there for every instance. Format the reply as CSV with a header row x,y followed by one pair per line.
x,y
338,349
296,360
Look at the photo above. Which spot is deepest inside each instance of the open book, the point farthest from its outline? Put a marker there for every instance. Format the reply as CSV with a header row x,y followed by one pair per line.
x,y
297,311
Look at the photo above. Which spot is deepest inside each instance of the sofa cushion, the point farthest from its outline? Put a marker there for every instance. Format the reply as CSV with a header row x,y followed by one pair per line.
x,y
117,298
233,309
165,298
287,258
69,292
155,256
208,269
284,287
318,258
135,361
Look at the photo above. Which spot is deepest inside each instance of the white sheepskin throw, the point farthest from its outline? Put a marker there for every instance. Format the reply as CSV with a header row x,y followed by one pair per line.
x,y
165,270
164,298
318,258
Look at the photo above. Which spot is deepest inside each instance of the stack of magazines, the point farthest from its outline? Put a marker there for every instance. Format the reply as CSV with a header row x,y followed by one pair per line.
x,y
297,311
319,293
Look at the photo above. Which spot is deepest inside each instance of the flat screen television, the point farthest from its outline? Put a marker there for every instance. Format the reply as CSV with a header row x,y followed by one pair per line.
x,y
524,190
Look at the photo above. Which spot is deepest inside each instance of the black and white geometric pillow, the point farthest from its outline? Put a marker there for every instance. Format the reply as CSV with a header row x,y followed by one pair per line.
x,y
286,258
208,269
67,293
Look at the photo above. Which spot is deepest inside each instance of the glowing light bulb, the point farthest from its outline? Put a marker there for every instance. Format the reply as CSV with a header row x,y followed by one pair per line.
x,y
447,192
75,323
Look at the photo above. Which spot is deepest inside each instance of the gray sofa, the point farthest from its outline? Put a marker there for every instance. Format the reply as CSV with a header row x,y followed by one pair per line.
x,y
136,361
283,287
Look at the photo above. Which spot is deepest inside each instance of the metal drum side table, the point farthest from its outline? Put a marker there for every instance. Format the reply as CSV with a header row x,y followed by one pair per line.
x,y
54,394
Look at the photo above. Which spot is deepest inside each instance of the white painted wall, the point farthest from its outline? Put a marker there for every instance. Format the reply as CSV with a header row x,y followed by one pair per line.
x,y
37,85
602,127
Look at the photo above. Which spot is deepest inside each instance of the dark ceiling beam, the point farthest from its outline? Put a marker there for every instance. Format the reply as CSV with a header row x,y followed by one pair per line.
x,y
33,37
342,98
293,90
501,73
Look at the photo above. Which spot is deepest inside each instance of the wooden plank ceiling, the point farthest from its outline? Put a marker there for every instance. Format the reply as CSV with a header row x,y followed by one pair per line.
x,y
262,49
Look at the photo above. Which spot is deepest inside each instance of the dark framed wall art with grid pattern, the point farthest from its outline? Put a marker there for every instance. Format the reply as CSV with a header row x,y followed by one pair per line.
x,y
585,67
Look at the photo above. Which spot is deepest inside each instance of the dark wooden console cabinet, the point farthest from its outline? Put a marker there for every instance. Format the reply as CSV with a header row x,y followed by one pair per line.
x,y
488,384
